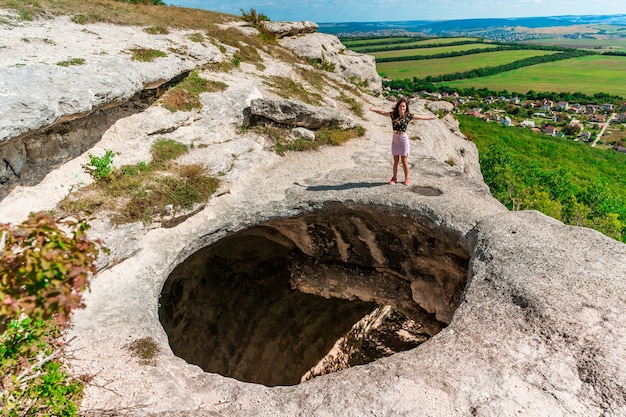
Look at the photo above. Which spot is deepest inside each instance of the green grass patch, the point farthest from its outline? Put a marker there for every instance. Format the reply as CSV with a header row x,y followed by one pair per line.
x,y
589,74
73,61
431,51
186,95
146,54
323,137
157,30
598,45
32,386
196,37
369,44
435,67
145,191
166,150
145,349
355,105
282,142
377,41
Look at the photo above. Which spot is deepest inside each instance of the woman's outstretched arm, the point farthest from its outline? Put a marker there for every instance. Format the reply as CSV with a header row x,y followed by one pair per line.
x,y
419,117
381,112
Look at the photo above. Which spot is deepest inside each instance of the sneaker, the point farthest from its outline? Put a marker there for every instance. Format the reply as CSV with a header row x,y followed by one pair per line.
x,y
393,180
407,181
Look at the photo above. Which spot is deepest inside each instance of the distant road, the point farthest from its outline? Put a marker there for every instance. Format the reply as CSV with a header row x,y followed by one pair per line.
x,y
604,126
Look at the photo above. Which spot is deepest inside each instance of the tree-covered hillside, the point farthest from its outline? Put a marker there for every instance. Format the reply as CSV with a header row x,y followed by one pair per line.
x,y
569,181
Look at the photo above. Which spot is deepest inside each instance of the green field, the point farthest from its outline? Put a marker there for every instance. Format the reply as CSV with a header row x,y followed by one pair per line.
x,y
588,74
363,42
434,67
373,43
599,45
432,51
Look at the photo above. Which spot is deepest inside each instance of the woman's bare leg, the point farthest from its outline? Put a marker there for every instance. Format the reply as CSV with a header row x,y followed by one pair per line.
x,y
405,167
396,159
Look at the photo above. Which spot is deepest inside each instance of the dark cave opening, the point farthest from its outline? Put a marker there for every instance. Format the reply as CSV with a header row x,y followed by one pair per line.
x,y
263,306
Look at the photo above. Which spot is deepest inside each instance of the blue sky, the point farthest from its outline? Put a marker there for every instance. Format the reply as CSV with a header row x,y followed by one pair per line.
x,y
390,10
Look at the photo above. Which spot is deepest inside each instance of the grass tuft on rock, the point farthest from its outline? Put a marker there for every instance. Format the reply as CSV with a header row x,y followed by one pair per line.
x,y
146,191
186,95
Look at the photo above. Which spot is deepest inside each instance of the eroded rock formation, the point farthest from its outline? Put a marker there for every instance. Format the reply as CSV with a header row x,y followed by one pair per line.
x,y
295,113
529,312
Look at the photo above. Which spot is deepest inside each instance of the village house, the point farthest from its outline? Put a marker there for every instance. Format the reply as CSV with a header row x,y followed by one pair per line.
x,y
576,123
547,105
606,106
506,121
585,136
598,118
475,113
549,130
577,107
527,123
562,105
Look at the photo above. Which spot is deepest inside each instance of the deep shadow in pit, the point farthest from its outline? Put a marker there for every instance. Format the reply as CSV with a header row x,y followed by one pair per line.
x,y
291,299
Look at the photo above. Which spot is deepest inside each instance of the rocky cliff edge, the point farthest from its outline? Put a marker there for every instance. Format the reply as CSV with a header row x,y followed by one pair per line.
x,y
537,328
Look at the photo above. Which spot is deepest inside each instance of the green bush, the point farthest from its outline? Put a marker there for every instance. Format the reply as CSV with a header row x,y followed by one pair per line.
x,y
44,267
257,21
100,167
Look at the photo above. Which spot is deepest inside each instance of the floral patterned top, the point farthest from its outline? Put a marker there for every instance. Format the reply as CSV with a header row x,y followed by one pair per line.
x,y
401,124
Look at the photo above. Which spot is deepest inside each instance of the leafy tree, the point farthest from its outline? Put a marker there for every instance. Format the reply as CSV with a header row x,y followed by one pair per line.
x,y
257,21
44,270
44,267
571,130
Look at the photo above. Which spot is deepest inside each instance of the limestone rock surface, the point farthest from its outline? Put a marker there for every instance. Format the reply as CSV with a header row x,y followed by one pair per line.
x,y
296,113
445,106
531,310
359,68
282,29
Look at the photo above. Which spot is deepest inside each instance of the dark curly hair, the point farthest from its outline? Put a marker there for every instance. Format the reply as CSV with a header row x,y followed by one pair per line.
x,y
396,113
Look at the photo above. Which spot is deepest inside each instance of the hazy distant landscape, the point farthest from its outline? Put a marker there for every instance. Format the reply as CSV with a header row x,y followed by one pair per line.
x,y
508,29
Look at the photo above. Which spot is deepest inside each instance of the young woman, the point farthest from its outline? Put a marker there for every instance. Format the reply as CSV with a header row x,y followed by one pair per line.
x,y
400,146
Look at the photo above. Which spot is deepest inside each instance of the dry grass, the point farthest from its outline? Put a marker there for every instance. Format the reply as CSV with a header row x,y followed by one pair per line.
x,y
326,136
288,88
145,192
156,19
145,349
186,95
119,13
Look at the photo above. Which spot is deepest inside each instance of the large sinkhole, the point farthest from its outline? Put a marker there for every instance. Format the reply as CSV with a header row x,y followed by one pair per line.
x,y
285,301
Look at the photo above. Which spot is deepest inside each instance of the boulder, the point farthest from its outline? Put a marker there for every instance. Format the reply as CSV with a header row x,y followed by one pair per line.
x,y
351,66
295,113
436,106
302,133
282,29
